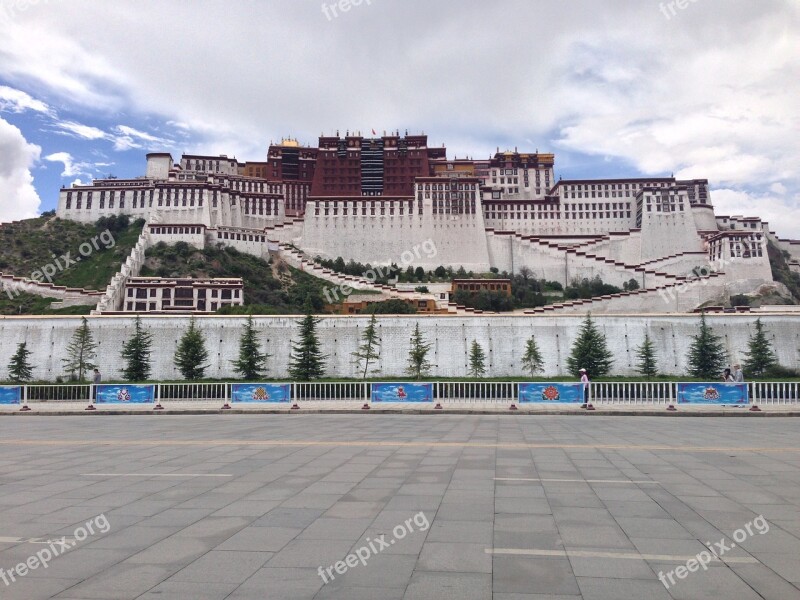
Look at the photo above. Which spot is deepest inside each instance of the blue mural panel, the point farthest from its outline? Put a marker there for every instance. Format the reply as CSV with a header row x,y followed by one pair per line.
x,y
713,393
551,393
10,394
402,392
124,394
261,392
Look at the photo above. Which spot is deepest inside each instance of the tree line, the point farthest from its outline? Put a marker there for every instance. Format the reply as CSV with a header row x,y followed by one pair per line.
x,y
706,359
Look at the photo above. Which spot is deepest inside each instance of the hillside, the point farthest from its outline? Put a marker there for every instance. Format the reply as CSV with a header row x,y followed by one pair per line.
x,y
781,272
96,252
28,304
269,287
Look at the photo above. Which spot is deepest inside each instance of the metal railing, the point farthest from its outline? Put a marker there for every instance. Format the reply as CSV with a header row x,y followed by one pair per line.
x,y
639,392
324,391
472,392
658,393
774,392
192,392
57,393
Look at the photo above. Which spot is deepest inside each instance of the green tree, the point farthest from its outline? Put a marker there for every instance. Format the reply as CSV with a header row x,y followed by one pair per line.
x,y
590,351
81,351
252,363
19,369
307,361
707,355
136,354
477,360
760,358
191,356
532,360
370,348
646,358
418,364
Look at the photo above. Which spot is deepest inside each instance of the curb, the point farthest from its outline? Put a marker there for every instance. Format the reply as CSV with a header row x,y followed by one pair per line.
x,y
383,411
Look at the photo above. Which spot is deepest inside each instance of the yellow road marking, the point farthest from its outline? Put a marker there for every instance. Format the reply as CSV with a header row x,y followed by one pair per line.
x,y
390,444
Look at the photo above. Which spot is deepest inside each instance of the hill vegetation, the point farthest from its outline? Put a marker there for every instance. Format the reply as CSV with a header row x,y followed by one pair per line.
x,y
96,251
28,304
270,287
781,272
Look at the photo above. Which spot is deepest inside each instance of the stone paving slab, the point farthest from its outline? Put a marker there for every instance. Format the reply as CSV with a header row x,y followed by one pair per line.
x,y
412,508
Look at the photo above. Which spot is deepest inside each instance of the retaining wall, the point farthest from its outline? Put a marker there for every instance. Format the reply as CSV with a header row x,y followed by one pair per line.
x,y
502,338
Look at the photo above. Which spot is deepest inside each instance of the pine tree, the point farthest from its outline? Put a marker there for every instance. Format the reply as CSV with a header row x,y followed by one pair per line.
x,y
307,361
418,364
590,351
532,359
252,363
477,360
646,358
760,358
370,348
192,355
19,369
80,353
136,353
707,356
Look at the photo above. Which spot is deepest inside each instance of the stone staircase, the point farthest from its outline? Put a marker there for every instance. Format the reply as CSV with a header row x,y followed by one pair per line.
x,y
297,259
113,297
64,296
585,258
683,296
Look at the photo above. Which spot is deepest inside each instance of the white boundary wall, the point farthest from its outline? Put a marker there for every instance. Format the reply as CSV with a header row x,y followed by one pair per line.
x,y
502,338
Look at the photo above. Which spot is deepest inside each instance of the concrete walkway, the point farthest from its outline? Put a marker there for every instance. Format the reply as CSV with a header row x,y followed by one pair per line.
x,y
464,507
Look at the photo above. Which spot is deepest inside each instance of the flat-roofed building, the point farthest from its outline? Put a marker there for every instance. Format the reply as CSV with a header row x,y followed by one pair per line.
x,y
473,286
181,295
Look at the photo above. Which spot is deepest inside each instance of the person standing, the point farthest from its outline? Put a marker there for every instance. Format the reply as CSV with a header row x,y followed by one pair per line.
x,y
96,379
585,382
727,377
738,376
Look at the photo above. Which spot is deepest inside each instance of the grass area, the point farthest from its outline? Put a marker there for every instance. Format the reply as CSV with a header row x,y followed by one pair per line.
x,y
269,288
28,304
34,245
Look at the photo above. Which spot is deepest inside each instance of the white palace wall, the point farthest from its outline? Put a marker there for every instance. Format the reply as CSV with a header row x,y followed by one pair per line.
x,y
460,240
502,338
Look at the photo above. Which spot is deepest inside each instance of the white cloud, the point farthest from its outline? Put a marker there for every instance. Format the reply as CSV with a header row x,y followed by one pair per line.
x,y
711,92
13,100
128,138
19,199
131,132
778,188
71,167
79,130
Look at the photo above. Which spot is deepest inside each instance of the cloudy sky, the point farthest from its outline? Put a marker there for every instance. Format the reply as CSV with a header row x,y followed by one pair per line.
x,y
613,88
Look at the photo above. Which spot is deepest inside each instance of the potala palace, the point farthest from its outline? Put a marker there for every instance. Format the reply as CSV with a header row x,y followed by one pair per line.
x,y
375,200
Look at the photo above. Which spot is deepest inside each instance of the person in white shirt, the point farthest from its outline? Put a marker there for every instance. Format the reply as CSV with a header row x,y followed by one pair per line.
x,y
585,382
738,376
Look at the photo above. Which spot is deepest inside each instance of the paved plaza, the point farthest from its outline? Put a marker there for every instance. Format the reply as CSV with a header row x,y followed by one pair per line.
x,y
413,507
